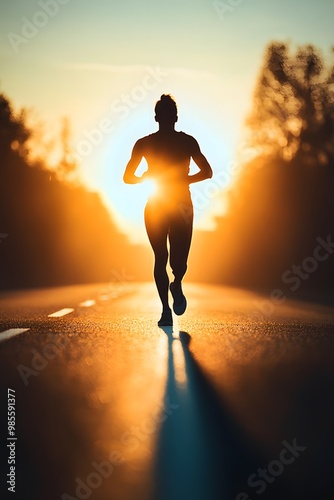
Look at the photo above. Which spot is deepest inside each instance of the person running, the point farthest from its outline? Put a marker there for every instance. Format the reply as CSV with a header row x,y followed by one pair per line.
x,y
169,210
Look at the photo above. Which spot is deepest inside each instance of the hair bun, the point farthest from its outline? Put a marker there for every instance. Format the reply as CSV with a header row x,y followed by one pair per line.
x,y
166,108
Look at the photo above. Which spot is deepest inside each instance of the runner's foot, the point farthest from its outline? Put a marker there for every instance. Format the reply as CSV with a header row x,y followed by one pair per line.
x,y
180,302
166,318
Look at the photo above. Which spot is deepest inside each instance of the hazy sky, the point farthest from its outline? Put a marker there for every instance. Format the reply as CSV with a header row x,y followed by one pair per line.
x,y
104,63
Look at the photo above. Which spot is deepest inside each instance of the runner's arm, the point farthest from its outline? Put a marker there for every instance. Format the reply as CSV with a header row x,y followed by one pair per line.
x,y
205,170
129,176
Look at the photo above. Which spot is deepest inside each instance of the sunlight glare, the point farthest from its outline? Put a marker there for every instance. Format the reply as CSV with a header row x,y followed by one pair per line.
x,y
179,363
127,202
150,187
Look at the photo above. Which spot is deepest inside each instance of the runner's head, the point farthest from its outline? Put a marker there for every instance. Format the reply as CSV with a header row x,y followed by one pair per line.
x,y
166,110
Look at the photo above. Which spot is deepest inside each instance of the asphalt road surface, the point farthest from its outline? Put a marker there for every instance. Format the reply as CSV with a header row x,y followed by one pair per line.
x,y
235,402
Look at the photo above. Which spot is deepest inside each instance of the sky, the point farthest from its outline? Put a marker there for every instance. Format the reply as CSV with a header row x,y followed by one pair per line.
x,y
103,64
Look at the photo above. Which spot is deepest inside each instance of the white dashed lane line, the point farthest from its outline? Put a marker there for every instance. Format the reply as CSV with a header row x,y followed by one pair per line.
x,y
61,313
87,303
7,334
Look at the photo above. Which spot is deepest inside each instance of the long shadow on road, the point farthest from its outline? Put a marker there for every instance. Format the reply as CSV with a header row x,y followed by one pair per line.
x,y
201,451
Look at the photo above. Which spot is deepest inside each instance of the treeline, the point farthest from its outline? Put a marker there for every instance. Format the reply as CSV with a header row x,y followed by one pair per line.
x,y
277,234
53,231
282,207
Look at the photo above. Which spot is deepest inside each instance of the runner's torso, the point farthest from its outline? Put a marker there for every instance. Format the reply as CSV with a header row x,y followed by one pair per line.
x,y
168,158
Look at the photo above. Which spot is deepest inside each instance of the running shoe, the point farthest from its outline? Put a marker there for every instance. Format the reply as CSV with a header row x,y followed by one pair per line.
x,y
166,319
180,302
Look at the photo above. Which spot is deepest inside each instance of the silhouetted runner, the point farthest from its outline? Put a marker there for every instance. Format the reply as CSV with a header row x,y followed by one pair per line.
x,y
169,210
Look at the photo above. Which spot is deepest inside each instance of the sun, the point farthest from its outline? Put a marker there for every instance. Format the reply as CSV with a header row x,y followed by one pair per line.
x,y
127,202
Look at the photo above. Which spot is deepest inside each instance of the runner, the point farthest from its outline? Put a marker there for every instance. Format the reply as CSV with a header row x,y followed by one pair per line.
x,y
169,211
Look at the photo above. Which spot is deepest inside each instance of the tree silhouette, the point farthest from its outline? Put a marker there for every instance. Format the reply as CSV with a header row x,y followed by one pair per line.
x,y
293,113
53,231
67,164
14,133
284,199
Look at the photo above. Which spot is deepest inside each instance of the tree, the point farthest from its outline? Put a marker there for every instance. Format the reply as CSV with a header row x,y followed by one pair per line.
x,y
14,133
66,165
293,112
284,199
53,230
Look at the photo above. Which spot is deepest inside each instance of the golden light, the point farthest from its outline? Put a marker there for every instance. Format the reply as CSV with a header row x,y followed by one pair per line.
x,y
150,186
179,364
127,202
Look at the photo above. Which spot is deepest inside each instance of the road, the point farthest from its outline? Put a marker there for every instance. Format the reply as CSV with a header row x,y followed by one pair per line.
x,y
235,402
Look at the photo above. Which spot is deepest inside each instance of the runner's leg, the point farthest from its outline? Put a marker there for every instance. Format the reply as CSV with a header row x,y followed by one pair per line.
x,y
156,223
180,234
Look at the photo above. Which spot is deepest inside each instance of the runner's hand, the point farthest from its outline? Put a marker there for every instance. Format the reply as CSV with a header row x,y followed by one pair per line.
x,y
145,176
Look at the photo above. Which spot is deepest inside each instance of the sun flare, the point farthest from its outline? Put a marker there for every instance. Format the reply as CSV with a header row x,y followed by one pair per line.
x,y
151,187
127,202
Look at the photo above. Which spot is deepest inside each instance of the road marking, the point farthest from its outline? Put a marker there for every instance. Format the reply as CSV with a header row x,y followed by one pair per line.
x,y
87,303
61,313
7,334
104,297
